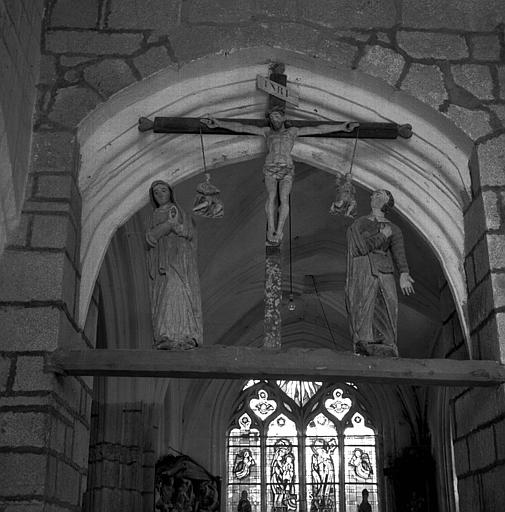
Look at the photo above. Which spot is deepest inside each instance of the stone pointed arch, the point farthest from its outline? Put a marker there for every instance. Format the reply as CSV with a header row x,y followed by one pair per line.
x,y
428,173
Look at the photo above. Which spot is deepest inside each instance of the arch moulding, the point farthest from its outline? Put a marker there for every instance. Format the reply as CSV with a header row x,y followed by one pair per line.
x,y
427,173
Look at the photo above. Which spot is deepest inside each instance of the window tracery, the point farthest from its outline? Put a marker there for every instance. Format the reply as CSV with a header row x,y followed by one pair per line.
x,y
296,446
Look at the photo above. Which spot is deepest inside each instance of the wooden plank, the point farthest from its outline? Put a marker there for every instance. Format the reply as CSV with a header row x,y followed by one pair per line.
x,y
228,362
193,125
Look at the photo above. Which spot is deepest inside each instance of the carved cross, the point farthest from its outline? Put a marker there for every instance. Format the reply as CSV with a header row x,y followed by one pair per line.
x,y
276,99
193,125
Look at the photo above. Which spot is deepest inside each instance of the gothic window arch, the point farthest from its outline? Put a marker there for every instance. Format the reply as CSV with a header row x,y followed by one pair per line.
x,y
298,446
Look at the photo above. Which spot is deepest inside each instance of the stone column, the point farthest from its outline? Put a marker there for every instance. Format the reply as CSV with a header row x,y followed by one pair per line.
x,y
44,418
479,424
122,457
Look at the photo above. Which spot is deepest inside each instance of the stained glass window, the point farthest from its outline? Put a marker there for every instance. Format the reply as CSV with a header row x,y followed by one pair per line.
x,y
296,446
322,463
300,391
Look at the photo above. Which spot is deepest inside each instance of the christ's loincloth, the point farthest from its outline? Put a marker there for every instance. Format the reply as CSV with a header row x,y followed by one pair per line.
x,y
279,172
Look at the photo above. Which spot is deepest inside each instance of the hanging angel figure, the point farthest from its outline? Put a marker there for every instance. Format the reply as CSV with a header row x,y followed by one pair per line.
x,y
345,197
207,202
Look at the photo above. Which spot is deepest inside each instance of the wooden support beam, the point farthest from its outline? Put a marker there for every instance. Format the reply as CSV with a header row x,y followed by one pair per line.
x,y
228,362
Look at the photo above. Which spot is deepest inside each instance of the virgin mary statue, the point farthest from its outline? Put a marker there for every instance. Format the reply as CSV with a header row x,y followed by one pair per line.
x,y
175,285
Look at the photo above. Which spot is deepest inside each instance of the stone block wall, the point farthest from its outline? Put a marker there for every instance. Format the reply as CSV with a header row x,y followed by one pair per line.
x,y
43,436
44,417
449,55
477,416
92,52
478,433
485,249
20,30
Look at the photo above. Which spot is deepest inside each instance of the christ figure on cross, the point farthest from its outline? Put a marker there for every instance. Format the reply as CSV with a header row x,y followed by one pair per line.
x,y
279,169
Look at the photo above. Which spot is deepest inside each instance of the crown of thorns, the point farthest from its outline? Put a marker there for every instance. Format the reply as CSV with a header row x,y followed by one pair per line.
x,y
278,109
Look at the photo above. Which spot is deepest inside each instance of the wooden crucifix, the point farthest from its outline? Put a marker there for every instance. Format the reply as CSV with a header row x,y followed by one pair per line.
x,y
279,166
278,169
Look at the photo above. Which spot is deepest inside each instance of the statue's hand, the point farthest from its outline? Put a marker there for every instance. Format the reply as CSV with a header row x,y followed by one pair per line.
x,y
386,230
173,214
209,121
350,125
406,283
160,230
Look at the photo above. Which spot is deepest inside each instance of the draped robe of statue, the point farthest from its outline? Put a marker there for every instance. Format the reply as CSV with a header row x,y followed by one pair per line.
x,y
175,291
371,297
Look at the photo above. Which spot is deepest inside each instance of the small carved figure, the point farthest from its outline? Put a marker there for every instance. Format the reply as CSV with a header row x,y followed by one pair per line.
x,y
165,488
185,497
244,505
182,485
364,506
279,168
374,247
175,291
207,202
208,496
345,198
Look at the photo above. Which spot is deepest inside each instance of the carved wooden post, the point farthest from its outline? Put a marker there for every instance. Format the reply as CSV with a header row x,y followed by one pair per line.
x,y
273,297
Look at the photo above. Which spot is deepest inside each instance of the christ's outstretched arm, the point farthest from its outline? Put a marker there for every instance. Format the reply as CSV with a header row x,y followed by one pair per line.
x,y
233,126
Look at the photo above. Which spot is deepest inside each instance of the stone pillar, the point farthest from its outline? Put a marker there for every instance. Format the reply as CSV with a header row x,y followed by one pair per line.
x,y
478,414
121,458
21,23
44,418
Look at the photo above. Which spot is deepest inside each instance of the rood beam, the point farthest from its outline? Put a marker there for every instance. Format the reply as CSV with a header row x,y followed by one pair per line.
x,y
229,362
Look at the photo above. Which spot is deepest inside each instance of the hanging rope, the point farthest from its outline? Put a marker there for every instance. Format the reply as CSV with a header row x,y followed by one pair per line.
x,y
353,151
207,202
207,175
345,196
291,303
324,312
